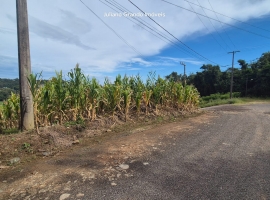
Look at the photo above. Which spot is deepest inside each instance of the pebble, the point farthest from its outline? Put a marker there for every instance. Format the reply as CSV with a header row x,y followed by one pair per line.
x,y
14,160
124,166
67,189
42,191
76,142
64,196
79,195
46,153
145,163
27,198
113,184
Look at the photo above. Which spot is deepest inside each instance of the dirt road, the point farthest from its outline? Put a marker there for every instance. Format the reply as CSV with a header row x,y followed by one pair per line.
x,y
222,154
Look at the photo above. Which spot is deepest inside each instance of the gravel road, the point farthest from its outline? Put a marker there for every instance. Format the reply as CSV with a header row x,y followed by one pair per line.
x,y
226,159
223,154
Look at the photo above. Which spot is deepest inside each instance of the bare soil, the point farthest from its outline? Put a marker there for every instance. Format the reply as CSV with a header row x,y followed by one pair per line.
x,y
83,152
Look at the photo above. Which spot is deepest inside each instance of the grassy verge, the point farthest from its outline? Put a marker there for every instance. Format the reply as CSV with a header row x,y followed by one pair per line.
x,y
240,100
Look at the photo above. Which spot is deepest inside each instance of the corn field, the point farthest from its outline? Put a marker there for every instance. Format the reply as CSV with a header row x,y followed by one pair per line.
x,y
81,98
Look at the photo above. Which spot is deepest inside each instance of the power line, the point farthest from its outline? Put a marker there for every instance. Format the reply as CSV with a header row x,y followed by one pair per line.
x,y
254,47
172,34
230,17
130,12
220,23
144,23
218,20
141,24
132,20
212,24
119,36
208,29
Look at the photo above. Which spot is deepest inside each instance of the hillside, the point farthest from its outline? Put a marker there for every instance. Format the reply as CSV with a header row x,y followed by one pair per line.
x,y
7,86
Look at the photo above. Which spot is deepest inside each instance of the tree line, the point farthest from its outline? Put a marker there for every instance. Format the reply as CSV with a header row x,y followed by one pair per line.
x,y
251,79
7,86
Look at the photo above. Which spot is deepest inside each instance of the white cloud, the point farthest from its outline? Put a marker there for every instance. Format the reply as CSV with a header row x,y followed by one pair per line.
x,y
63,33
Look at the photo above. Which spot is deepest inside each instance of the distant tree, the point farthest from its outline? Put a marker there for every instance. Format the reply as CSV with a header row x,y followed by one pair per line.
x,y
5,93
251,78
174,76
208,81
243,64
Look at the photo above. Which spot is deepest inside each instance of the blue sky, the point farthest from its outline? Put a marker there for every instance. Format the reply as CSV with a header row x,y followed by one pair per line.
x,y
63,33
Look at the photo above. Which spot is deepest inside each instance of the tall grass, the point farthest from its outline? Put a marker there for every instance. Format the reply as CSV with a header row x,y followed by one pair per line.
x,y
219,99
81,98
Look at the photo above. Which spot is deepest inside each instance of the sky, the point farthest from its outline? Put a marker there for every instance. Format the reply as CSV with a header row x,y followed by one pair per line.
x,y
106,41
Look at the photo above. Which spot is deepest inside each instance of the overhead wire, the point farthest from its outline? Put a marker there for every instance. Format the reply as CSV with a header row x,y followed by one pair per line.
x,y
150,27
206,9
208,29
230,17
173,35
119,36
251,32
132,20
133,48
213,24
220,23
130,12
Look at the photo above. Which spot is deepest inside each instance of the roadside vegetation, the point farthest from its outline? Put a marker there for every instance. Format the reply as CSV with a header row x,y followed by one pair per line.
x,y
67,110
80,98
251,82
249,79
219,99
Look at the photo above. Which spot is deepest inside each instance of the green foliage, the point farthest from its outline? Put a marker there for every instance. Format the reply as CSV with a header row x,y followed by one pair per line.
x,y
10,83
27,147
218,99
10,112
251,79
72,101
174,77
5,93
9,131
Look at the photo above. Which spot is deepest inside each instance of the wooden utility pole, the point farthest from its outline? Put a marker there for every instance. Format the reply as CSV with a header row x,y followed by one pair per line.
x,y
182,63
26,99
231,88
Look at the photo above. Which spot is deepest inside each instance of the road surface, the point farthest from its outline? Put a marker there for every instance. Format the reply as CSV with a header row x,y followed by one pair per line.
x,y
227,157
